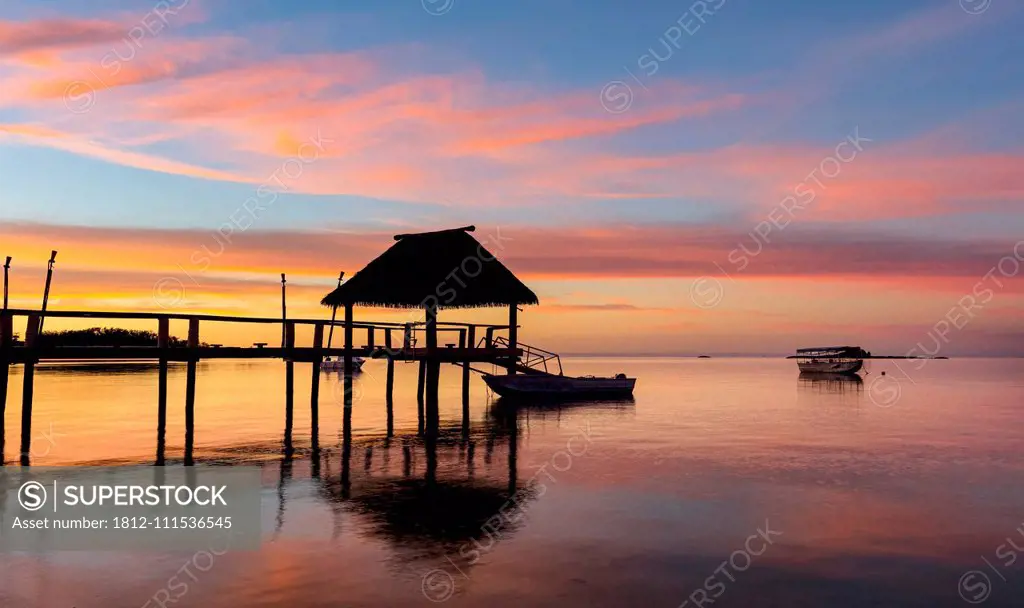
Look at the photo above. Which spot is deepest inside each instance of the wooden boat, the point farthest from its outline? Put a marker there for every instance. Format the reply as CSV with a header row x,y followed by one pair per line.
x,y
830,359
338,365
561,387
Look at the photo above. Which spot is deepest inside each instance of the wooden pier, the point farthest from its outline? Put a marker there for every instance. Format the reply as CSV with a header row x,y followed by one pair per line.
x,y
30,353
428,272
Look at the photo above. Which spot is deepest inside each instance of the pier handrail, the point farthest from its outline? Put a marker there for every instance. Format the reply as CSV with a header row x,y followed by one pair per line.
x,y
290,351
154,316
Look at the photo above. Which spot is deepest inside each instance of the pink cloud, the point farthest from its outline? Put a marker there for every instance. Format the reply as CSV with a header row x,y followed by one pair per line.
x,y
18,37
622,252
461,139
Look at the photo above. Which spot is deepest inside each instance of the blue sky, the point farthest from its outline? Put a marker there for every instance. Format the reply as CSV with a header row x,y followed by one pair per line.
x,y
505,114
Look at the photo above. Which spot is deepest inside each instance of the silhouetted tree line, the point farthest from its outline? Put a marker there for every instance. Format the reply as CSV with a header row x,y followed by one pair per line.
x,y
104,336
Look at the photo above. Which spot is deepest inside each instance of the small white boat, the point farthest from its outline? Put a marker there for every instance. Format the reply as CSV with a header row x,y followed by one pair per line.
x,y
338,365
562,387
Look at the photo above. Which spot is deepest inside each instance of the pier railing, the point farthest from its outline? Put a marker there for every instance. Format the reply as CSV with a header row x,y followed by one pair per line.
x,y
402,341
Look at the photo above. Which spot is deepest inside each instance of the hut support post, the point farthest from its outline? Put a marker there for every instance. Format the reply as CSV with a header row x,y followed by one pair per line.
x,y
190,390
348,341
6,342
289,385
31,337
390,391
162,343
349,345
513,338
467,338
433,370
314,391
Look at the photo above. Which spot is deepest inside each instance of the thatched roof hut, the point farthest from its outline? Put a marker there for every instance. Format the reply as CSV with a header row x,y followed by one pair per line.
x,y
446,269
432,271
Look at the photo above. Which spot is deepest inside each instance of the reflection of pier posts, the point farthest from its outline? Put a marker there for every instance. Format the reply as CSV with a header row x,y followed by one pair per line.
x,y
513,449
420,381
430,443
406,460
284,476
346,439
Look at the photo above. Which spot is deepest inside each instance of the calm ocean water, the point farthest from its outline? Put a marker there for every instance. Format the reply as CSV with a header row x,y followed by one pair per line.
x,y
725,480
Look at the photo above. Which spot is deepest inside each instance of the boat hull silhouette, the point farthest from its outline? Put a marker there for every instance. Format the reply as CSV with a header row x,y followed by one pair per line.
x,y
830,367
338,365
551,386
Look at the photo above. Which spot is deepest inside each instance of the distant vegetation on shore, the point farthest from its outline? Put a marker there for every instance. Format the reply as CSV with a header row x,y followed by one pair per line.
x,y
104,336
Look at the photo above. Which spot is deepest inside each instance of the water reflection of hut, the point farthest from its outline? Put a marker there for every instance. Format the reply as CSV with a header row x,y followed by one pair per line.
x,y
440,501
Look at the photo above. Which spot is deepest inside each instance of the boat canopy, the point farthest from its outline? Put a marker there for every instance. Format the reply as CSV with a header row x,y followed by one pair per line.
x,y
832,351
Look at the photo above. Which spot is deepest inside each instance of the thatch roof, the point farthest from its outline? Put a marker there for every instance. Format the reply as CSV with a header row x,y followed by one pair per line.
x,y
449,268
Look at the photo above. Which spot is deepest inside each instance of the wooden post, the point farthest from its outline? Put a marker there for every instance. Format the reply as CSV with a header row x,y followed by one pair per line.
x,y
162,343
46,290
390,391
334,313
190,390
489,338
6,343
31,337
314,391
433,370
513,337
369,339
7,269
348,368
289,385
469,344
284,312
348,346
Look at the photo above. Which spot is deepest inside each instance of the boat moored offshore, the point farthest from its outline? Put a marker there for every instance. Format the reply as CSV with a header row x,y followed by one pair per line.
x,y
830,359
338,364
561,387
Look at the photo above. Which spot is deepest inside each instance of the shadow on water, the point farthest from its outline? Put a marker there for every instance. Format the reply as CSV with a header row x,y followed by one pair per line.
x,y
504,404
830,383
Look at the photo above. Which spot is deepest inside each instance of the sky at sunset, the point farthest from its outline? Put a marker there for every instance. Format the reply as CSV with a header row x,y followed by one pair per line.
x,y
725,176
